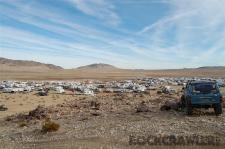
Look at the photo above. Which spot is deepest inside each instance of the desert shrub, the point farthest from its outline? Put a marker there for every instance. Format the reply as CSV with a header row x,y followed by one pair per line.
x,y
8,118
50,126
95,105
142,95
159,92
23,124
147,92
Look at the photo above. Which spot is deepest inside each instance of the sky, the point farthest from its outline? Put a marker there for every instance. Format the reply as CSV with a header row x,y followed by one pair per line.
x,y
134,34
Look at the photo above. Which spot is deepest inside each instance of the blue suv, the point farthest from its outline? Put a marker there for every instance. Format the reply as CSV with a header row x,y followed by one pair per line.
x,y
202,94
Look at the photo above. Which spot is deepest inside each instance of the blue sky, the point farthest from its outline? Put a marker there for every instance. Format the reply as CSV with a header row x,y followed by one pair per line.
x,y
147,34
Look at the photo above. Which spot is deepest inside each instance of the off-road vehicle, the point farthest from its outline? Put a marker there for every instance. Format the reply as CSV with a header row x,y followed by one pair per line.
x,y
202,94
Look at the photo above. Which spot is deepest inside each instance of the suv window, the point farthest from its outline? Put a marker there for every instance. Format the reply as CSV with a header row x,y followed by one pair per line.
x,y
204,88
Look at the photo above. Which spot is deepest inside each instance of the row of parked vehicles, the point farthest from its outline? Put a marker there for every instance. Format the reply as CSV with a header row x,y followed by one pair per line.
x,y
196,93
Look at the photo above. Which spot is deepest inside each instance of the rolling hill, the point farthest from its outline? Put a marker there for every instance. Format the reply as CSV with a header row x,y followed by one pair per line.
x,y
31,70
98,66
23,65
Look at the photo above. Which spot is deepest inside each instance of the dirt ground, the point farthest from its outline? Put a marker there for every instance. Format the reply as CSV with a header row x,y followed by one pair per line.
x,y
22,102
107,120
102,74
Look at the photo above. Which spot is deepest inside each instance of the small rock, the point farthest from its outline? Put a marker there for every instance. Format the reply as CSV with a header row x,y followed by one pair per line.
x,y
142,107
170,105
94,113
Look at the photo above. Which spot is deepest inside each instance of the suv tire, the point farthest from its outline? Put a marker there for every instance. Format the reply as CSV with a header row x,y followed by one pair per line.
x,y
189,109
218,109
182,99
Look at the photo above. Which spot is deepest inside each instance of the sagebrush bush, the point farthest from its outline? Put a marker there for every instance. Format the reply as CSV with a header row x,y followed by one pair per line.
x,y
23,124
50,126
159,92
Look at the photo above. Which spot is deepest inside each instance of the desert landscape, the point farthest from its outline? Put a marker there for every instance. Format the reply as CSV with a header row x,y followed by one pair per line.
x,y
108,110
112,74
26,70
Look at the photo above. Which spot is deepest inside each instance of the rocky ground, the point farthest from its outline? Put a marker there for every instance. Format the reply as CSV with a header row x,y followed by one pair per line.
x,y
109,120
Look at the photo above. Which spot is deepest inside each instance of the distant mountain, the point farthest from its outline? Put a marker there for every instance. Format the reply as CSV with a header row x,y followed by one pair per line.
x,y
31,70
212,67
16,64
98,66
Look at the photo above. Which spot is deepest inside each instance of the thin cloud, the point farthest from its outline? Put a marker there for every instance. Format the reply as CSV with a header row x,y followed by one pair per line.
x,y
100,9
69,29
42,44
166,20
191,34
195,25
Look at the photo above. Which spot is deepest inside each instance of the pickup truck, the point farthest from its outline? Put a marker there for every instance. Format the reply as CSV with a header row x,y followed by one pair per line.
x,y
202,94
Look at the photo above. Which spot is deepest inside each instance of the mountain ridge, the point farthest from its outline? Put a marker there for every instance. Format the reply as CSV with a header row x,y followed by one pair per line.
x,y
97,66
26,63
30,63
211,67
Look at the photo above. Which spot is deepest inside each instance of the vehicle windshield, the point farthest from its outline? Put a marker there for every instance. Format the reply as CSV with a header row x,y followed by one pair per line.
x,y
204,88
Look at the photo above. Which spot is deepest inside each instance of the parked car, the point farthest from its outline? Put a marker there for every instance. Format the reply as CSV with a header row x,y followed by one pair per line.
x,y
12,90
202,94
59,89
8,90
43,92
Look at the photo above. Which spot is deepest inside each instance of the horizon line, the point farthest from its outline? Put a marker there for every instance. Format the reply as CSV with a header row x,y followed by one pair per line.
x,y
111,65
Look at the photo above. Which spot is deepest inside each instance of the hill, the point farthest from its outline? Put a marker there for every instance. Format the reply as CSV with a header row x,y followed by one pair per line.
x,y
31,70
212,67
23,65
98,66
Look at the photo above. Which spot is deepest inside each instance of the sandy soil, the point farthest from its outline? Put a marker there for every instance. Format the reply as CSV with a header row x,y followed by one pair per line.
x,y
23,102
106,120
115,74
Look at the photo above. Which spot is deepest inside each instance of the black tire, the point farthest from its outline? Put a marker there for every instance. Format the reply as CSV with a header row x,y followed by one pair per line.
x,y
188,109
218,109
182,101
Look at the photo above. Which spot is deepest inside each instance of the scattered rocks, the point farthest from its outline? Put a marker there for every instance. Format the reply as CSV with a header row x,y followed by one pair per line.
x,y
170,105
105,117
38,113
